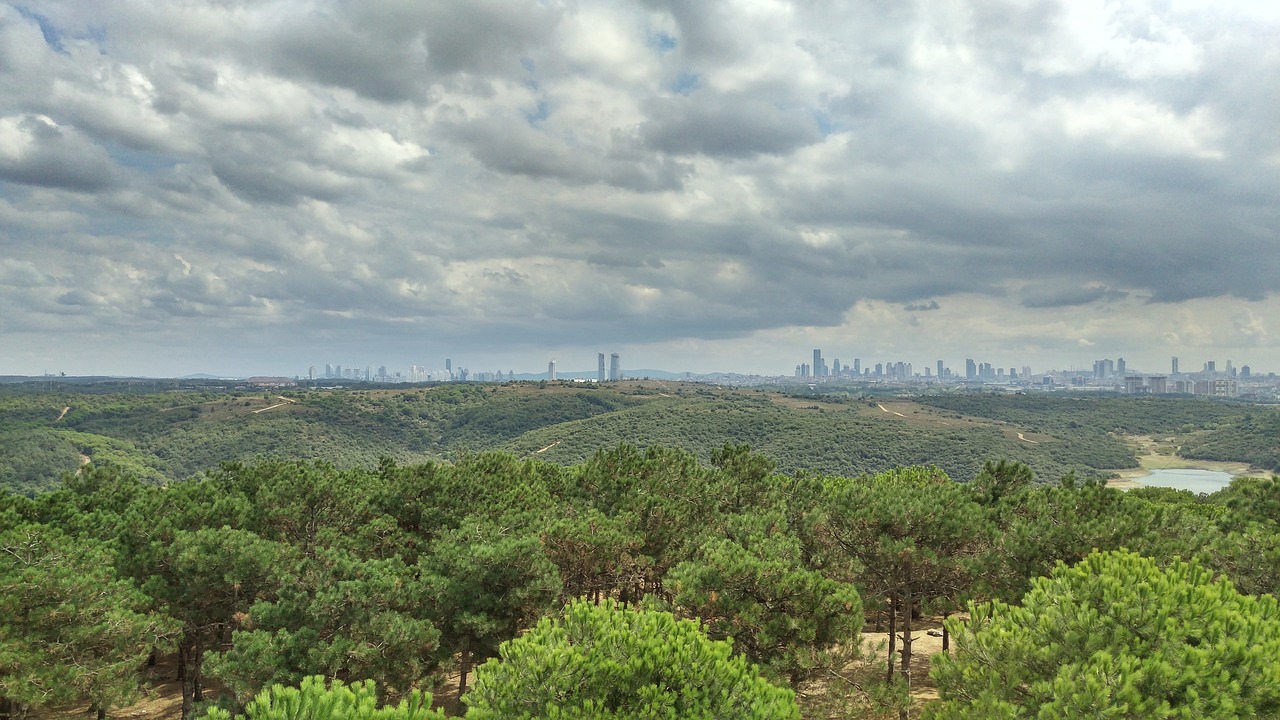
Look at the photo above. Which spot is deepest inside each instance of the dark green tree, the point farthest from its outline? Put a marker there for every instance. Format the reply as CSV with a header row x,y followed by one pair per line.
x,y
915,534
70,629
999,479
485,582
338,616
754,588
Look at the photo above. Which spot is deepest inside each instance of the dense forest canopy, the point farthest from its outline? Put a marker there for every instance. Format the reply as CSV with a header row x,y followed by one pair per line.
x,y
160,434
272,572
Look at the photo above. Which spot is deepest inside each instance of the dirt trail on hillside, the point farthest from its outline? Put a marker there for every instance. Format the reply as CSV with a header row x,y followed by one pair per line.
x,y
895,412
62,414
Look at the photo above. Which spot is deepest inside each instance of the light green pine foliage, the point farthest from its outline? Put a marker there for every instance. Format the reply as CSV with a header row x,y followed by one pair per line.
x,y
1116,636
608,663
313,701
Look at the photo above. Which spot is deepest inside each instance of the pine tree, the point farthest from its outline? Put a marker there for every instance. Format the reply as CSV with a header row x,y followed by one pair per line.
x,y
312,700
70,629
754,588
609,663
1115,636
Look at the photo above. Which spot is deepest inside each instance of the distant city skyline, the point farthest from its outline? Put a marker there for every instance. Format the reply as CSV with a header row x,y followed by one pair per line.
x,y
891,367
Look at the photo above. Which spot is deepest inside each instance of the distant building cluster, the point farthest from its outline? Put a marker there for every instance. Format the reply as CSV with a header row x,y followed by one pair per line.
x,y
1106,375
450,373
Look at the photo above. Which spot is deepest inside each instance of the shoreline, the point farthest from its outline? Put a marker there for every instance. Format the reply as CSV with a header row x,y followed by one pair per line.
x,y
1130,478
1161,454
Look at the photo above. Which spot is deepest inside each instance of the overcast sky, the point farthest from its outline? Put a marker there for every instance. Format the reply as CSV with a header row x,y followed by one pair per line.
x,y
256,186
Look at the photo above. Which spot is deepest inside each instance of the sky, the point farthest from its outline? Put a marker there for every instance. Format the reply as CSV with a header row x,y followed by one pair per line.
x,y
247,187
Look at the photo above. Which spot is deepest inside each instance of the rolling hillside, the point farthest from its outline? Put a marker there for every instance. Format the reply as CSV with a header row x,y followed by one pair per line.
x,y
178,433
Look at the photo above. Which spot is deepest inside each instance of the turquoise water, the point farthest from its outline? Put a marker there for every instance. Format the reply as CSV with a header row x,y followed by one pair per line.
x,y
1197,481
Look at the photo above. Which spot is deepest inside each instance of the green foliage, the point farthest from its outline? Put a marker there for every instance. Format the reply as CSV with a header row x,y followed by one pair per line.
x,y
1064,523
610,663
311,700
177,434
1250,438
916,536
70,629
34,459
485,583
333,615
999,479
1115,636
844,442
754,589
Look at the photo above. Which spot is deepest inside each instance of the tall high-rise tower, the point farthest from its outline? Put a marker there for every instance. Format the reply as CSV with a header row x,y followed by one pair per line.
x,y
819,369
551,370
600,367
1175,364
615,366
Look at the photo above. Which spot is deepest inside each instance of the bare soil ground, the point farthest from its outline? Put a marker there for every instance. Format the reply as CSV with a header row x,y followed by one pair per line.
x,y
163,697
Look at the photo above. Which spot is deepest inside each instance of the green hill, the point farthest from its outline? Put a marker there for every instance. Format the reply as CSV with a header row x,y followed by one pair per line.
x,y
174,434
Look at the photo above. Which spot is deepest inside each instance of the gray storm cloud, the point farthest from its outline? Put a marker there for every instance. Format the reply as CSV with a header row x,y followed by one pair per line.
x,y
567,173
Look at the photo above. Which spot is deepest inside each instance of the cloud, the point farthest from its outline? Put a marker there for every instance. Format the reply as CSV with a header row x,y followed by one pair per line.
x,y
922,307
1066,294
726,127
35,150
554,174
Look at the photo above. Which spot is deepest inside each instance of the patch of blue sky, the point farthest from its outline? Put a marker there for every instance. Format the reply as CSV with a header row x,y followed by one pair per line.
x,y
686,82
142,160
52,35
660,41
825,124
531,81
541,111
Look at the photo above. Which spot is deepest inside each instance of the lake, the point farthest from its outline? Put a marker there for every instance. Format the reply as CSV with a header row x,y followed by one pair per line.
x,y
1197,481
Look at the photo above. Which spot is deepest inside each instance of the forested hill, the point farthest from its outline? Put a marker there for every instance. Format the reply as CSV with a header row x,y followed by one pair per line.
x,y
166,435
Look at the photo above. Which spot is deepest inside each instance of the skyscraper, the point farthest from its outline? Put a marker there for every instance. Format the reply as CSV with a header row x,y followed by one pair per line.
x,y
939,368
970,369
1120,367
600,367
551,370
818,369
615,366
1175,364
